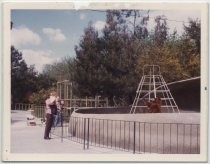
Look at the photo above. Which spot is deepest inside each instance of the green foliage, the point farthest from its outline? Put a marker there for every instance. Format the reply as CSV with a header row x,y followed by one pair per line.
x,y
23,78
104,63
39,97
161,30
166,56
25,81
90,71
16,58
61,70
45,85
45,81
193,33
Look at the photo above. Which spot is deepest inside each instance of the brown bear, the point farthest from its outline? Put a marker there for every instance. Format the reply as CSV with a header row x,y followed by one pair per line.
x,y
154,106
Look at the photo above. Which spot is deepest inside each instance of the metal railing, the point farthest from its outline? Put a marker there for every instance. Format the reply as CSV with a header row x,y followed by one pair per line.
x,y
38,111
132,136
86,102
22,106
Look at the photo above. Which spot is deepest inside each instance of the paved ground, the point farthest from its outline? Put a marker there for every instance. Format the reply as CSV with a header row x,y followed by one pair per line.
x,y
29,139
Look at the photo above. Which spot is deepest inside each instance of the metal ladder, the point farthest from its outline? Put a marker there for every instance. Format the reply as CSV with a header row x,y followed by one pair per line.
x,y
153,85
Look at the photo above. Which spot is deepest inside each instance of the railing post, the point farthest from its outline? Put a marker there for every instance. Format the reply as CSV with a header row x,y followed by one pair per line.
x,y
95,101
107,102
86,101
88,133
61,132
134,137
84,132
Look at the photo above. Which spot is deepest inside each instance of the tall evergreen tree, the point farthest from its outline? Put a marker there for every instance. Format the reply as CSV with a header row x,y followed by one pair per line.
x,y
88,63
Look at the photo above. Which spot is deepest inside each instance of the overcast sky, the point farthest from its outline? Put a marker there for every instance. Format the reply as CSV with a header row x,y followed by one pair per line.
x,y
45,36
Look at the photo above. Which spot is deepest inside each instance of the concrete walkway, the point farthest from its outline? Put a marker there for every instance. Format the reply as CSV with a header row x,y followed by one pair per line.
x,y
29,139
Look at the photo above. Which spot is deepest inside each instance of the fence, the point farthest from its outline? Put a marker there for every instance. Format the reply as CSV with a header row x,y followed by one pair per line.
x,y
86,102
39,111
23,106
65,92
136,137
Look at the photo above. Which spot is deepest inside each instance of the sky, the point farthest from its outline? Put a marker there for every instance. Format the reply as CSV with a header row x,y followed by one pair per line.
x,y
46,36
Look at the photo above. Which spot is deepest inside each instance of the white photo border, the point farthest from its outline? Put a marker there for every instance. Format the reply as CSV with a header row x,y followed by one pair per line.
x,y
8,156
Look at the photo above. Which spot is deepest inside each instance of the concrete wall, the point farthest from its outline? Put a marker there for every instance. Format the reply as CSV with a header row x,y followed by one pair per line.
x,y
187,94
171,133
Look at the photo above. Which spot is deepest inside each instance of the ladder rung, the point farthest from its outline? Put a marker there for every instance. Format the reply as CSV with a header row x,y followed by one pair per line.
x,y
153,98
165,106
142,91
151,76
141,99
166,98
157,91
153,84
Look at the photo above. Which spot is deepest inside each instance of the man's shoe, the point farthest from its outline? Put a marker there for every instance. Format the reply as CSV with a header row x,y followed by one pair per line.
x,y
47,138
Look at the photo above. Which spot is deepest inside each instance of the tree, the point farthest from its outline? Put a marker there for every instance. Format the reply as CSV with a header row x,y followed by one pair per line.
x,y
193,33
61,70
166,57
120,58
25,80
190,49
161,30
40,96
138,20
110,64
88,63
105,63
16,58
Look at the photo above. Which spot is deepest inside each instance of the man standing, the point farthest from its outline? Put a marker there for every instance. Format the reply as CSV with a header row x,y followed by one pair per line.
x,y
59,105
50,106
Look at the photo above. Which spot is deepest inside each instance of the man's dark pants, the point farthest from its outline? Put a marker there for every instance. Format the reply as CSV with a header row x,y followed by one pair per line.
x,y
49,122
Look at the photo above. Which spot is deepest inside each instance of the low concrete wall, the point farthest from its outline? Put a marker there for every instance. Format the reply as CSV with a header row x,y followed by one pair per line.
x,y
185,118
155,132
102,110
170,133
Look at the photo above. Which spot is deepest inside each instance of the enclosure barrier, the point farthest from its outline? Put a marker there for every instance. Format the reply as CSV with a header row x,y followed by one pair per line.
x,y
86,102
23,106
132,136
65,92
38,111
